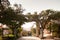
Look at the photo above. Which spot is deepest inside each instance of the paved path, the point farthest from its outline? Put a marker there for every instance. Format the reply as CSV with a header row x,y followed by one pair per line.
x,y
32,38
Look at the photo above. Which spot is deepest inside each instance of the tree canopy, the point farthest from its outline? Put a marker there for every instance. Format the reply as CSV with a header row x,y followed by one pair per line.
x,y
10,16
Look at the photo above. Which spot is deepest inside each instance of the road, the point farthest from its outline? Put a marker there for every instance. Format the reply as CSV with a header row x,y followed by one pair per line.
x,y
32,38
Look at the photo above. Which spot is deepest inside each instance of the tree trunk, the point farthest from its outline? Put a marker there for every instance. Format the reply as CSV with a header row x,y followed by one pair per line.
x,y
37,29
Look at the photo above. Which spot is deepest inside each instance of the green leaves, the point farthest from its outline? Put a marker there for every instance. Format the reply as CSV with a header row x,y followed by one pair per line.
x,y
9,14
55,16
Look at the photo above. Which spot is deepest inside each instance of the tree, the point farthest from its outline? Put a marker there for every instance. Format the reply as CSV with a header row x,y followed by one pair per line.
x,y
44,18
55,29
46,14
33,31
54,17
35,18
0,1
9,15
12,17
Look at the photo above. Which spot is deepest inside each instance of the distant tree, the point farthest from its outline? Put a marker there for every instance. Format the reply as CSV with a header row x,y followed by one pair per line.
x,y
24,33
33,30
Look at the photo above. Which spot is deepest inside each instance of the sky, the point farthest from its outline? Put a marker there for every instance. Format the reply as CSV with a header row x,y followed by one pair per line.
x,y
28,26
36,5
